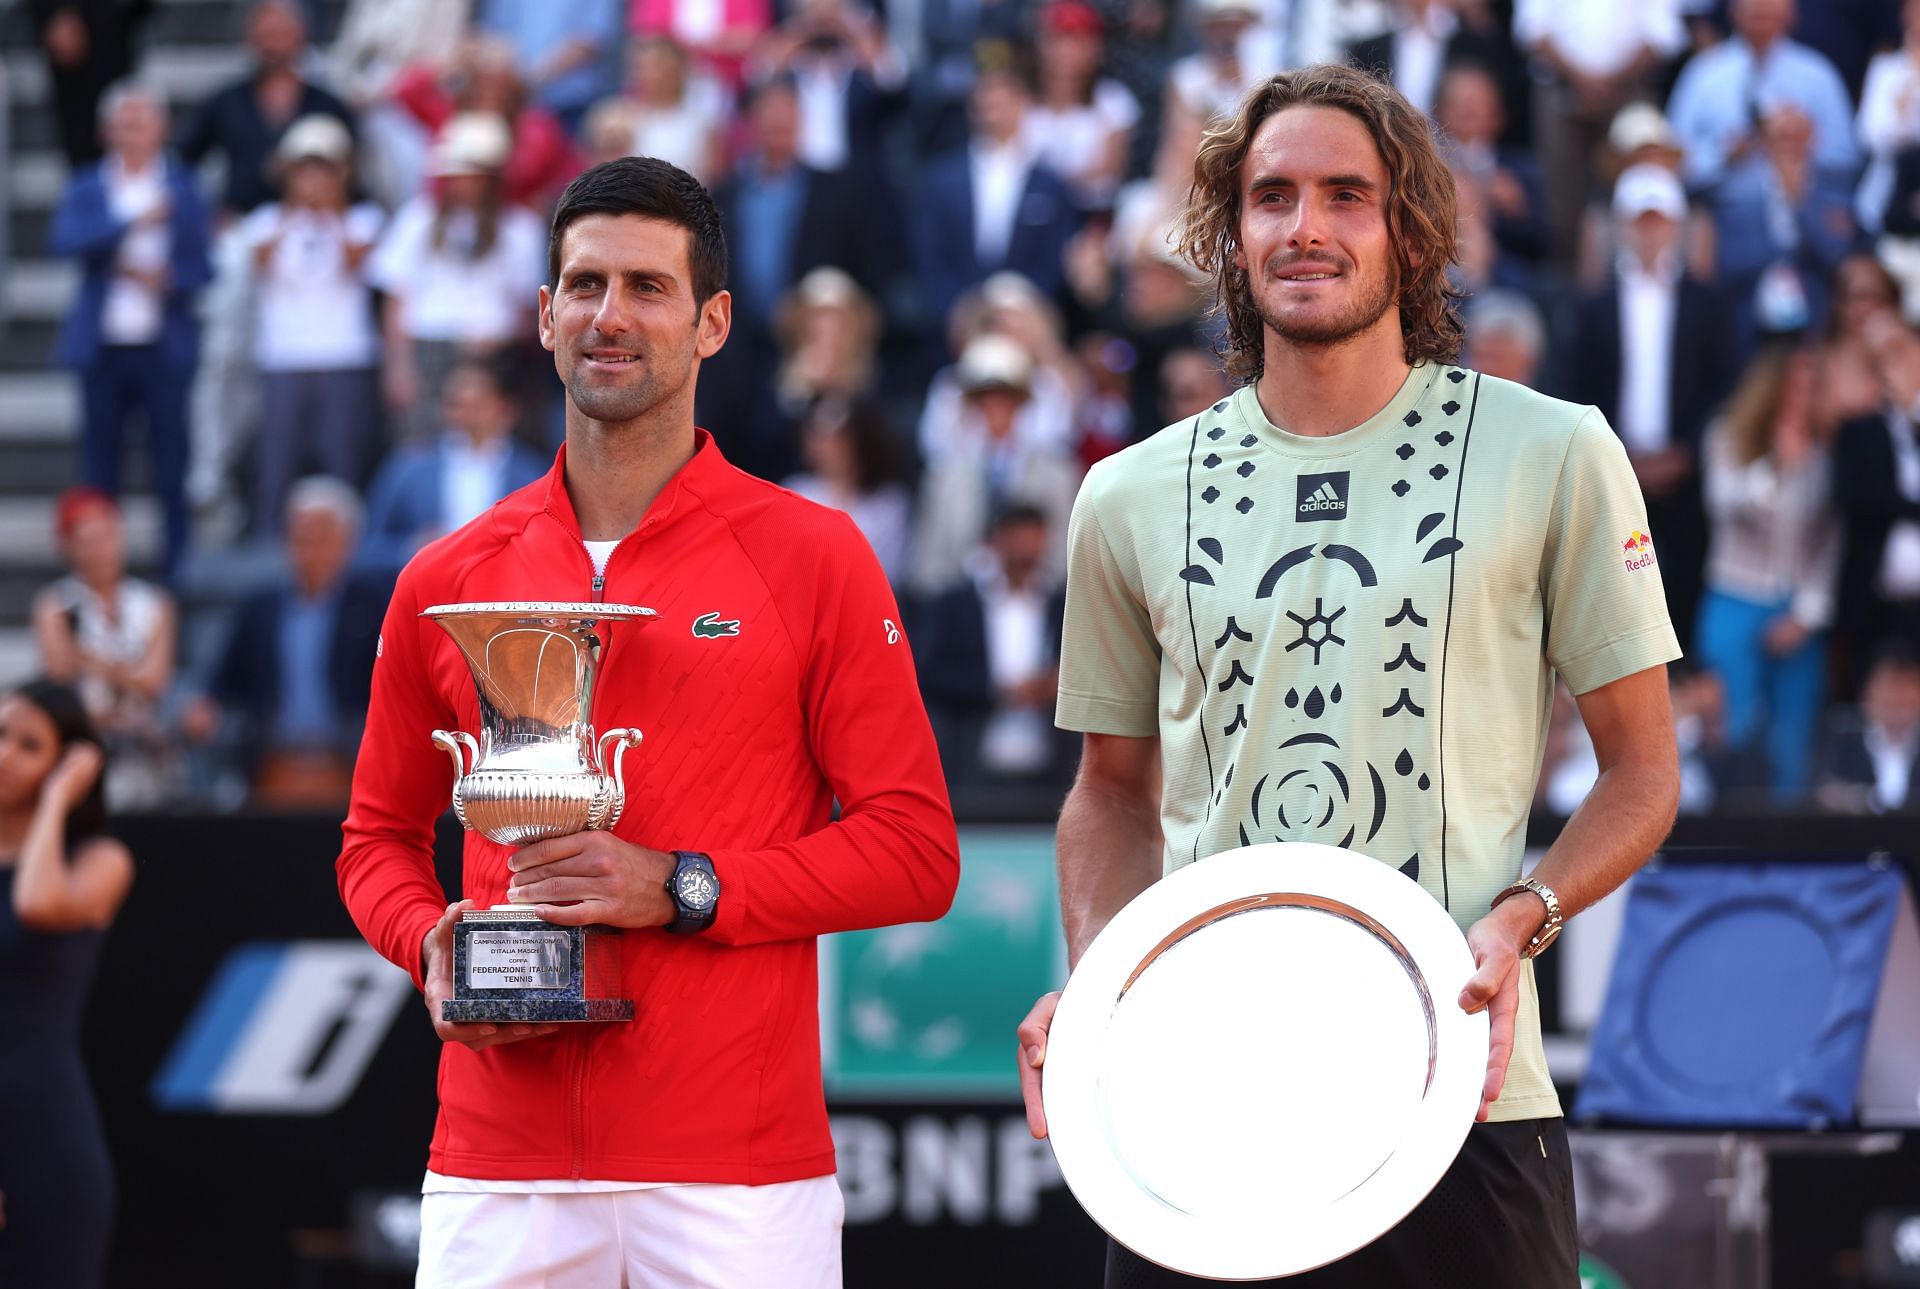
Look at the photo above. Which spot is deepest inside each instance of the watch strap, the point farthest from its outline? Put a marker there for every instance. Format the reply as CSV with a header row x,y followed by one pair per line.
x,y
1550,929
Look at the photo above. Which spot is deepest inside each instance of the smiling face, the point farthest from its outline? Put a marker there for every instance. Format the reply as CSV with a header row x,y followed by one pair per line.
x,y
1312,233
626,333
29,746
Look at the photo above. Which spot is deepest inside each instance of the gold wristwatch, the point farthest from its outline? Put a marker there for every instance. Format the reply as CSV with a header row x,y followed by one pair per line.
x,y
1550,929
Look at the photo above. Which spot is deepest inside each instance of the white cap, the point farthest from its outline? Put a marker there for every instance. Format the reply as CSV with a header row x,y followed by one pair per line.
x,y
1203,10
316,137
828,288
1645,187
1640,125
995,362
472,143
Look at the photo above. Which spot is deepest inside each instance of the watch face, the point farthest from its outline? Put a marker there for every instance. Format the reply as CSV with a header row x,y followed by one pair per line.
x,y
695,888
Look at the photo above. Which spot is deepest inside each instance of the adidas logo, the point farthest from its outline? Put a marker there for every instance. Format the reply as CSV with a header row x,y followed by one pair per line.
x,y
1324,499
1321,497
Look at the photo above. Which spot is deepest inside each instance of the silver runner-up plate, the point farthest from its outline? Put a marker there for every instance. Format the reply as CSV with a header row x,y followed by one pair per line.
x,y
1261,1064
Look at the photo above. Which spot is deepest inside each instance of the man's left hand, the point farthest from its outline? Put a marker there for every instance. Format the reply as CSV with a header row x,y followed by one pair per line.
x,y
592,879
1496,941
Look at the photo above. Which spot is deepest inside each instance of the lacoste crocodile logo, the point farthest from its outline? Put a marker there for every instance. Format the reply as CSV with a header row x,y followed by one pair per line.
x,y
708,626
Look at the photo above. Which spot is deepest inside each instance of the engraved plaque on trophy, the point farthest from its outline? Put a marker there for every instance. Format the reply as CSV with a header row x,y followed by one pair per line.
x,y
535,771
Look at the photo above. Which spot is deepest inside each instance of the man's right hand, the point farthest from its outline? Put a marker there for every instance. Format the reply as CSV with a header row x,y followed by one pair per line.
x,y
1033,1055
436,959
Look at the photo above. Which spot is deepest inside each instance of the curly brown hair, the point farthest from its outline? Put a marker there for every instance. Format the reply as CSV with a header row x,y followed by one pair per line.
x,y
1421,212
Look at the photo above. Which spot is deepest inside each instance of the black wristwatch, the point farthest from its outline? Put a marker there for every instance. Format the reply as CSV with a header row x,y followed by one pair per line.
x,y
694,889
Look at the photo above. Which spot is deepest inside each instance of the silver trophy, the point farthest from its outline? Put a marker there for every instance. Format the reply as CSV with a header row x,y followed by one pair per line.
x,y
535,771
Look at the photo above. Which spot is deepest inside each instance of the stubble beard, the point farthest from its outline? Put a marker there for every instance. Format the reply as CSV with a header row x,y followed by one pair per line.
x,y
1327,332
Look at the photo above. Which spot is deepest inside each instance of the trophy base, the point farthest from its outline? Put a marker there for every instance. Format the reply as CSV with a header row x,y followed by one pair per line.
x,y
510,967
535,1011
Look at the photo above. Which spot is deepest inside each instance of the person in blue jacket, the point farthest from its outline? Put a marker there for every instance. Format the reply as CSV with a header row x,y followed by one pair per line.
x,y
139,230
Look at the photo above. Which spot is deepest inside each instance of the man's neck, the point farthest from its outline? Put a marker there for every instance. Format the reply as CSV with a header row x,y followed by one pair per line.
x,y
1320,390
615,471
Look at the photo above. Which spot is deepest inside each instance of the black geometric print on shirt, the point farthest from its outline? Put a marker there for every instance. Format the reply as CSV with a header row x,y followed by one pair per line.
x,y
1353,559
1405,658
1197,573
1316,631
1456,376
1449,407
1315,704
1211,545
1245,470
1404,451
1411,419
1441,549
1406,614
1239,721
1238,676
1443,438
1220,406
1217,433
1211,460
1210,496
1233,631
1427,525
1308,796
1403,766
1404,703
1243,505
1401,488
1412,867
1438,472
1248,441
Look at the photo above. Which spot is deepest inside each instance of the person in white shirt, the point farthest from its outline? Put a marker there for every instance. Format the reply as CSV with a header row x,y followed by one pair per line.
x,y
460,268
1889,119
1082,121
314,339
1871,756
1592,57
1773,561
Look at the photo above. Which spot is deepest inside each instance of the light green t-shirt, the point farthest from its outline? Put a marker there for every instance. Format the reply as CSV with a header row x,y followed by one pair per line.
x,y
1352,639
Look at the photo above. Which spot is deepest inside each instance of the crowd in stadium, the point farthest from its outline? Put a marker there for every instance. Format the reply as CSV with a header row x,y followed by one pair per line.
x,y
310,297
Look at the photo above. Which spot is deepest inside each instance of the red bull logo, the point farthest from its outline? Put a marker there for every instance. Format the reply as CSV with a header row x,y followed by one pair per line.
x,y
1638,550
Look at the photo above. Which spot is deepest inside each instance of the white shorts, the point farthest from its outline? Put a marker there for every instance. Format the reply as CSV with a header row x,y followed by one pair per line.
x,y
782,1236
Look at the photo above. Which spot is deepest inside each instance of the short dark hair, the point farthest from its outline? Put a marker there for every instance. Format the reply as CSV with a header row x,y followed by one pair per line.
x,y
1016,514
652,189
71,724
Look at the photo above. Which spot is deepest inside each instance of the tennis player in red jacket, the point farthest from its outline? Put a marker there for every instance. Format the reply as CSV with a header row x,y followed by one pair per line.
x,y
689,1147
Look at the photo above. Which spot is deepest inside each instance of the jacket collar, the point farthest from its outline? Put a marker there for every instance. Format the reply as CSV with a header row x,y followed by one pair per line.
x,y
697,477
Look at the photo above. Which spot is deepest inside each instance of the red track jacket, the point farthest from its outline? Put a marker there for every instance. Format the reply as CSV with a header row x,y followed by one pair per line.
x,y
749,741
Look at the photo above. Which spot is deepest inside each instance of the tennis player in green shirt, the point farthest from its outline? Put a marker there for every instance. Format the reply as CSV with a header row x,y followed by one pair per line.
x,y
1331,608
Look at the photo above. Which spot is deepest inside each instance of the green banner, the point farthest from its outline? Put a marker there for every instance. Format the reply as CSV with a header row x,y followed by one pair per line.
x,y
928,1009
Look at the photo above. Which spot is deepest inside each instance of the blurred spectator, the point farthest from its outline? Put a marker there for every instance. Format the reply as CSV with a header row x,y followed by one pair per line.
x,y
426,490
244,121
829,331
992,646
1653,352
718,33
951,34
1083,120
851,465
1006,304
290,693
1591,58
568,54
377,40
89,46
1889,120
111,638
1639,136
1426,38
1103,407
1506,337
985,465
1849,34
992,206
1235,51
538,159
1472,119
314,339
1772,558
848,77
460,267
1781,227
1849,384
1139,53
135,223
1877,492
1867,763
1726,96
1191,381
1708,772
666,110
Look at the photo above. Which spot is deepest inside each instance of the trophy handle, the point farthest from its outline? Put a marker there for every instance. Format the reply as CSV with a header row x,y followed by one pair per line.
x,y
451,745
622,740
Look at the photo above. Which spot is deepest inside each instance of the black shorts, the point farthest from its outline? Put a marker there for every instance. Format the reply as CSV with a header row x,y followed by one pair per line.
x,y
1501,1218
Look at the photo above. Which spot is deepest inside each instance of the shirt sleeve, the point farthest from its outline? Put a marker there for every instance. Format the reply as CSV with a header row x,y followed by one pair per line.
x,y
401,785
399,249
1606,609
1109,655
893,855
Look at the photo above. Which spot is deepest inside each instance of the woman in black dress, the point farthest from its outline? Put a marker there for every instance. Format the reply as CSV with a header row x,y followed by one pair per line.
x,y
62,880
